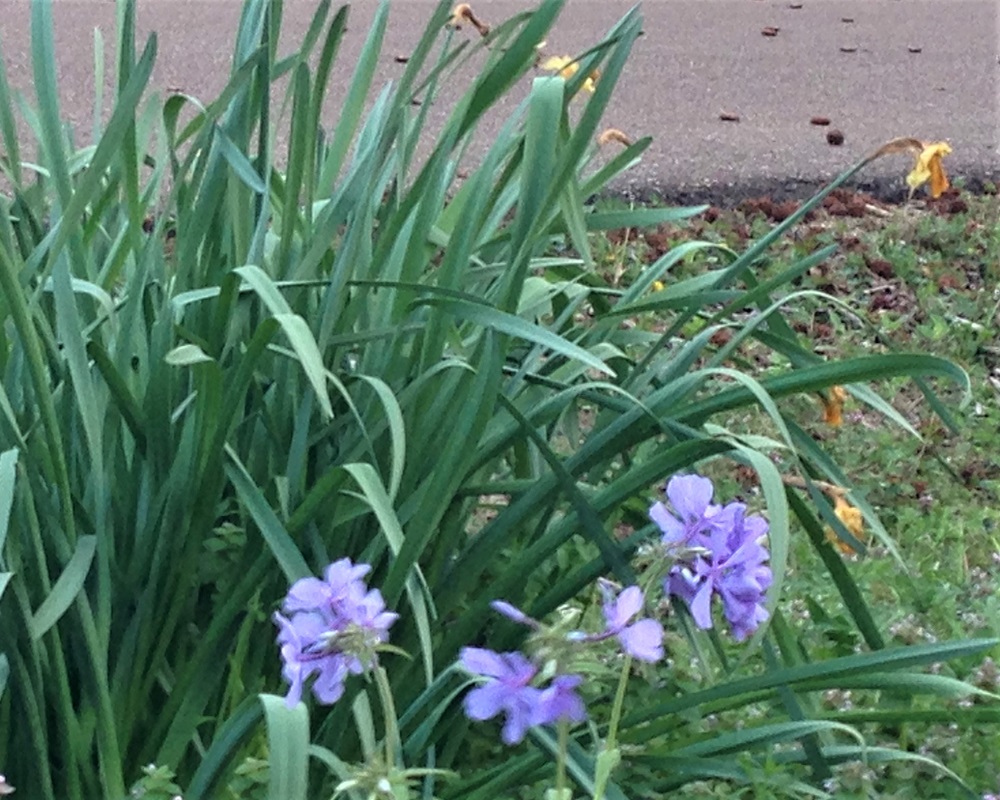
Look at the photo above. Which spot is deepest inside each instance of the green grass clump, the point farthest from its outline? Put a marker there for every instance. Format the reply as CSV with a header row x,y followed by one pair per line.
x,y
218,375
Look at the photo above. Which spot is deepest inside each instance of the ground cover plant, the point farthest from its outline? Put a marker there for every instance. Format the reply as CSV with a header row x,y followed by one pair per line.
x,y
386,409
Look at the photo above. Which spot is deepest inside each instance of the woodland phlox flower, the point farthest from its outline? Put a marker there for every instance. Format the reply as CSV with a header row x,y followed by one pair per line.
x,y
540,689
333,628
719,551
511,688
693,514
642,639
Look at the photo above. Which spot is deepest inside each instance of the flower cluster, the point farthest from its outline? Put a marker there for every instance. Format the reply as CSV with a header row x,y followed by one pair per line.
x,y
515,685
333,629
510,689
719,552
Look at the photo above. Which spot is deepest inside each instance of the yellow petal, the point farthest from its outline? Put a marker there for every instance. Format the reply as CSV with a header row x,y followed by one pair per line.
x,y
939,181
929,168
833,406
564,65
851,518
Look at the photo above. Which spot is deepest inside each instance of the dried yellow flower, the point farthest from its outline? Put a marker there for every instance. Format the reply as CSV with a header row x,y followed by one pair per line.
x,y
851,518
463,13
567,67
928,168
613,135
833,406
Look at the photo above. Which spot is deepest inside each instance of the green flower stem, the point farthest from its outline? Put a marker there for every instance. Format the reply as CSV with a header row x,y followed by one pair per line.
x,y
393,744
561,760
616,709
603,775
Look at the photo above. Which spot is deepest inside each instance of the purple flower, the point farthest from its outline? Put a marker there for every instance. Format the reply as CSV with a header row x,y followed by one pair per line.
x,y
335,628
298,638
509,690
691,498
642,639
734,568
514,614
561,702
343,584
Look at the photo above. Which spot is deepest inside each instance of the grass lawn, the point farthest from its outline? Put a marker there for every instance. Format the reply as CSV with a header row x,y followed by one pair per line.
x,y
922,277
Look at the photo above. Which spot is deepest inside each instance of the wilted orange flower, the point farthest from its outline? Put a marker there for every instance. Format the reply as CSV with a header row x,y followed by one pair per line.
x,y
567,67
613,135
928,168
851,518
463,13
833,406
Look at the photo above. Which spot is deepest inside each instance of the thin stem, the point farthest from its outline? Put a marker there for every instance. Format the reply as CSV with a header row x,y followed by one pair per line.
x,y
616,709
610,744
561,760
393,745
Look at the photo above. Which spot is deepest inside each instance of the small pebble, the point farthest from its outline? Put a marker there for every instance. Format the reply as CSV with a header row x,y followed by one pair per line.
x,y
915,49
727,116
770,30
399,58
835,137
795,5
847,19
849,49
819,121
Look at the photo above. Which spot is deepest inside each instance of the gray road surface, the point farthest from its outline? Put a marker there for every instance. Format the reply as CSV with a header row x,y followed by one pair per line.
x,y
697,59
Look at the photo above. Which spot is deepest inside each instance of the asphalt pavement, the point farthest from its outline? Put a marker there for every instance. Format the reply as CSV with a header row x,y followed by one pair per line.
x,y
876,69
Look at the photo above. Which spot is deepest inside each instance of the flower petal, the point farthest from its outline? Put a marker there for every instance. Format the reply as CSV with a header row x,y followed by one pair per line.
x,y
690,495
329,686
485,702
701,606
643,640
307,594
560,702
621,610
513,613
482,661
673,529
